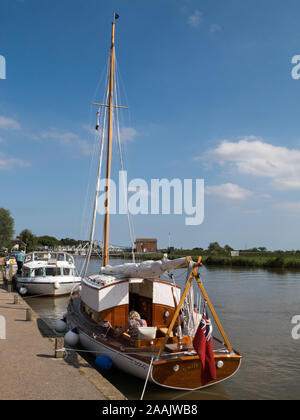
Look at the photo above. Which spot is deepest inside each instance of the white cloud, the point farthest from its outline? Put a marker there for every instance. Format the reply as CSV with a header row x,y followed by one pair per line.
x,y
7,163
293,206
264,196
127,134
66,138
257,158
195,19
214,27
252,211
9,123
231,191
63,138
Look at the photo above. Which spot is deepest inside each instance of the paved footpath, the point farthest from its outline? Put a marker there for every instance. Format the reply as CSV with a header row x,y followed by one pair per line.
x,y
28,369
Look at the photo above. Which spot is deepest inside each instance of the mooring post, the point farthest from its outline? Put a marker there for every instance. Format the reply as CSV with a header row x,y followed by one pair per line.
x,y
16,299
28,314
59,348
10,277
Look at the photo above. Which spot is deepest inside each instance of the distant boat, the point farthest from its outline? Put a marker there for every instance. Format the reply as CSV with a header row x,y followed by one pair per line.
x,y
48,274
159,353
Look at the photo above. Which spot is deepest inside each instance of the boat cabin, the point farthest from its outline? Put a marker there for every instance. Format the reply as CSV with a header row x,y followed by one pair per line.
x,y
154,300
44,264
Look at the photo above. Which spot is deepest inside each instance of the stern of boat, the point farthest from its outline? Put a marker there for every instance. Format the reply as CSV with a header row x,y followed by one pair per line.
x,y
185,373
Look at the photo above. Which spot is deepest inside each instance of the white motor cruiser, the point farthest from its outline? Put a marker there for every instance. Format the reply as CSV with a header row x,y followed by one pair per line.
x,y
48,274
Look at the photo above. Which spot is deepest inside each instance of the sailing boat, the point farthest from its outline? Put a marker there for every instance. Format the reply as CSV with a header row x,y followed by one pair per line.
x,y
160,352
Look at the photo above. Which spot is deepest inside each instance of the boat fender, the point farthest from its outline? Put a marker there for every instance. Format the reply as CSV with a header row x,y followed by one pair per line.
x,y
60,325
56,285
72,337
104,362
220,364
23,291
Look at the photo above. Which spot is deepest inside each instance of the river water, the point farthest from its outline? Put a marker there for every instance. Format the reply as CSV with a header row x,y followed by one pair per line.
x,y
255,308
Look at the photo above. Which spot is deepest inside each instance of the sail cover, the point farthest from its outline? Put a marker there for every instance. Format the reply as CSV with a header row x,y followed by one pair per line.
x,y
146,269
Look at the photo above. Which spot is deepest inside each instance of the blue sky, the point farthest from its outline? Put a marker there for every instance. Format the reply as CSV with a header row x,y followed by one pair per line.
x,y
211,96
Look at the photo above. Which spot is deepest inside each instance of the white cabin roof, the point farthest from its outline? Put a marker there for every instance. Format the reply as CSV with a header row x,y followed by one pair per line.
x,y
48,259
99,296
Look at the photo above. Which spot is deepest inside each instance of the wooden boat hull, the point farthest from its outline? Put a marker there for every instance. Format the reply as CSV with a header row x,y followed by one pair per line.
x,y
185,374
121,360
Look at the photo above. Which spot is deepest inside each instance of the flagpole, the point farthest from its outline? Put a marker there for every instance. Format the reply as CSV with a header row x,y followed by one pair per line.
x,y
194,275
213,312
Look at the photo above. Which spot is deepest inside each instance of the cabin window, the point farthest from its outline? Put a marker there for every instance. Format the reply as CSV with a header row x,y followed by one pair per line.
x,y
61,257
67,271
38,272
53,271
50,271
41,257
69,259
28,258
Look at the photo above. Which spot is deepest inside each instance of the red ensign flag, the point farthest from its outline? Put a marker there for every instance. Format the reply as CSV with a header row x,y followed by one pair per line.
x,y
203,345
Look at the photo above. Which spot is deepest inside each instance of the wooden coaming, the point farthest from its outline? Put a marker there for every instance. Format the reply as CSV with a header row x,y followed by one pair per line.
x,y
117,316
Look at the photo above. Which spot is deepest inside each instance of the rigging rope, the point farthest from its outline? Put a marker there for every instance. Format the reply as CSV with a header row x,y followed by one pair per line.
x,y
88,196
130,225
89,253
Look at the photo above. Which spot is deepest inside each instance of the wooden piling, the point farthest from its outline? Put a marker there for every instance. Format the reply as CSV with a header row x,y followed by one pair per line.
x,y
59,348
10,279
28,314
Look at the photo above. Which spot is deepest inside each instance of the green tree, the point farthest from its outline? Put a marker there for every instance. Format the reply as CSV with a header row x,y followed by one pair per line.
x,y
69,242
228,249
30,240
6,228
215,247
262,248
46,240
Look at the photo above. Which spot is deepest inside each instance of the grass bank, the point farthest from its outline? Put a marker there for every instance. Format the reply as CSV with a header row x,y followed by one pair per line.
x,y
288,260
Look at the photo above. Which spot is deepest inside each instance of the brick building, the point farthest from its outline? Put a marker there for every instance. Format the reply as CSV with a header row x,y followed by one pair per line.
x,y
146,245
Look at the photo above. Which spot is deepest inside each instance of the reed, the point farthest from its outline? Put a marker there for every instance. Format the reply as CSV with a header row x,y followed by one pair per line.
x,y
287,260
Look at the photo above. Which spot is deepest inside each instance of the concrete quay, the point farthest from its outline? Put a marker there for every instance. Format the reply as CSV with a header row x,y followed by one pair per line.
x,y
28,368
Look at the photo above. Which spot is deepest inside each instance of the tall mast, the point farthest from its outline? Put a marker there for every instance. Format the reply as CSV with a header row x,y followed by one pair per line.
x,y
109,146
110,107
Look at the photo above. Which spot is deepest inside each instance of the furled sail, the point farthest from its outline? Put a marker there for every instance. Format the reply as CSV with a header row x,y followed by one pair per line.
x,y
146,269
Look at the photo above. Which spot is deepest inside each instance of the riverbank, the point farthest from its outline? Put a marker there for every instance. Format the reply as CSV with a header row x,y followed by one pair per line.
x,y
287,260
29,370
